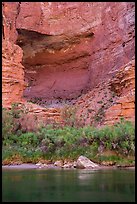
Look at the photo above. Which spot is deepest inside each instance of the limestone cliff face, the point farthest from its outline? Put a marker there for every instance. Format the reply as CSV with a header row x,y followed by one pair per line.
x,y
68,48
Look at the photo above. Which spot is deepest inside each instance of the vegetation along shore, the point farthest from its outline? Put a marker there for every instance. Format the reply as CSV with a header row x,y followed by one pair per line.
x,y
59,145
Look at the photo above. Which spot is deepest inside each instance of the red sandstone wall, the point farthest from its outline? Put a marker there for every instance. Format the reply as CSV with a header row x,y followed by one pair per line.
x,y
110,48
111,22
10,12
110,100
12,69
12,73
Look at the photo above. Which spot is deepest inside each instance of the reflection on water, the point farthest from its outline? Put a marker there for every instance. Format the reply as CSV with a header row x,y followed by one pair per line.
x,y
68,185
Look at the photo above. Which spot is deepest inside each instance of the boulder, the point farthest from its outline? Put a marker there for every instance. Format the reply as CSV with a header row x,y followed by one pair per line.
x,y
58,163
83,162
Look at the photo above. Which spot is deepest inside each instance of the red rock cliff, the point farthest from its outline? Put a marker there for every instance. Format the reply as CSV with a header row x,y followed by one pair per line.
x,y
68,48
12,69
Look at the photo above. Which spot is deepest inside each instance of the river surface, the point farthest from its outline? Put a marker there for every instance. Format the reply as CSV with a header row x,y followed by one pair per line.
x,y
59,185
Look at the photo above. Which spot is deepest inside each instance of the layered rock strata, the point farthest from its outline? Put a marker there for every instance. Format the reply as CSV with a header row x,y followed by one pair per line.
x,y
12,69
12,74
56,53
110,100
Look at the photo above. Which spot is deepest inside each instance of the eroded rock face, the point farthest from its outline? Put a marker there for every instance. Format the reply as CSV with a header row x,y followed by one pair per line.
x,y
12,70
110,100
123,85
12,74
69,49
56,67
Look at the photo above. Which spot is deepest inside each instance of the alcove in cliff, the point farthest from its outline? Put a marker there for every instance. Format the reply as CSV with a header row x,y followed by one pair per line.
x,y
56,67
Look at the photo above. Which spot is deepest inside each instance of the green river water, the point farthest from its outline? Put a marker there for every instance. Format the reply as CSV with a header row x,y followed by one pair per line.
x,y
59,185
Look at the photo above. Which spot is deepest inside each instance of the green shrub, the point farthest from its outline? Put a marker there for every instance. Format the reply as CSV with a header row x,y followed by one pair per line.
x,y
70,142
7,124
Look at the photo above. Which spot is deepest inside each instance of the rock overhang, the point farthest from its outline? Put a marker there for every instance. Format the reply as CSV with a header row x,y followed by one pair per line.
x,y
56,66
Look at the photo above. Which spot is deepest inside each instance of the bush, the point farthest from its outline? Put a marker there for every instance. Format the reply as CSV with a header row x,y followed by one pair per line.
x,y
7,124
70,142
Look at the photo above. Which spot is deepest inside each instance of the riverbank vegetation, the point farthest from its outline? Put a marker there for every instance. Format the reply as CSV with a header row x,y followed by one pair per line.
x,y
108,145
